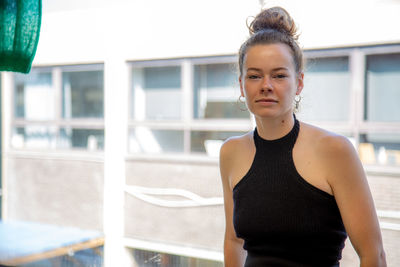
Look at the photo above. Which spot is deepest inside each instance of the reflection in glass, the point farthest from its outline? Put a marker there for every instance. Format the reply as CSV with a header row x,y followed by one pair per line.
x,y
34,96
48,137
83,94
145,140
216,90
383,90
326,93
34,136
157,93
376,148
90,139
210,141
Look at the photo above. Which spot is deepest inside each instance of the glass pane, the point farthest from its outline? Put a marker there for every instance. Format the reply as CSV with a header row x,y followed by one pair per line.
x,y
34,96
383,88
380,148
210,141
83,94
90,139
216,91
45,137
157,93
326,93
145,140
34,136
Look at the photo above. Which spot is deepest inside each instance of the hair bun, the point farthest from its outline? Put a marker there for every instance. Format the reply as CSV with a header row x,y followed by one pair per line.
x,y
275,18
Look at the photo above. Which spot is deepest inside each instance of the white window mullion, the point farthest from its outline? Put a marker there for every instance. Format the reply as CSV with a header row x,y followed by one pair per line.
x,y
357,71
187,101
57,85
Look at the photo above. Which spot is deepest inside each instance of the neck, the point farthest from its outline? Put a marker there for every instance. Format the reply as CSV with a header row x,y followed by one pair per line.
x,y
274,128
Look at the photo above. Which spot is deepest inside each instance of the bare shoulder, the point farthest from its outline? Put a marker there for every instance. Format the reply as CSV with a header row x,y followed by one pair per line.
x,y
334,154
233,145
235,157
326,143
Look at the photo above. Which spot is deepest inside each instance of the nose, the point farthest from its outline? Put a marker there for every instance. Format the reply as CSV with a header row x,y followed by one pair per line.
x,y
266,85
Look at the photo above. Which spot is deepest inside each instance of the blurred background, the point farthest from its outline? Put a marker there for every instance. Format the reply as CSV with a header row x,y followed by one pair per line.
x,y
116,130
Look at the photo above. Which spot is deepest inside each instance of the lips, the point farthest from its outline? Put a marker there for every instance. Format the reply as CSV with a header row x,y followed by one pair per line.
x,y
266,100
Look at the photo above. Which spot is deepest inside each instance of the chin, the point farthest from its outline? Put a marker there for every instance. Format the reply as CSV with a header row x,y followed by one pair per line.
x,y
266,114
269,114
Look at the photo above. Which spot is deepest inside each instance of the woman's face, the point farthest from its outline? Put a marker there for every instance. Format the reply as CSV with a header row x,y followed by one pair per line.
x,y
269,81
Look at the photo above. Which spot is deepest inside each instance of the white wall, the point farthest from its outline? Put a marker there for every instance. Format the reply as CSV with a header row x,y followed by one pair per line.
x,y
86,31
344,22
143,30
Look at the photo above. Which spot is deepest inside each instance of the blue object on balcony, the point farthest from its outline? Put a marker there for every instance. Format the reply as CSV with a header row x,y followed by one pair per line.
x,y
26,242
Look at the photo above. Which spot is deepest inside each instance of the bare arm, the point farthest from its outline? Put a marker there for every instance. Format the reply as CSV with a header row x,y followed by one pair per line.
x,y
350,188
234,254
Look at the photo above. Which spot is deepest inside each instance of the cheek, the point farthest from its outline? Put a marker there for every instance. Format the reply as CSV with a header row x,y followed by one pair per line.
x,y
244,88
287,92
249,92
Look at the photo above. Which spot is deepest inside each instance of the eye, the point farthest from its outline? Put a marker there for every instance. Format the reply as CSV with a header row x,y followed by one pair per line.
x,y
253,77
280,76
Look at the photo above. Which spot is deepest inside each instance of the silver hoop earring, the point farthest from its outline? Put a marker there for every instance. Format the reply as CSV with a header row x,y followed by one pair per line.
x,y
297,100
242,103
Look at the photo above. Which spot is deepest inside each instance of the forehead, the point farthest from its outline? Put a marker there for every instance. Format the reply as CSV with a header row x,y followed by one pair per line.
x,y
269,56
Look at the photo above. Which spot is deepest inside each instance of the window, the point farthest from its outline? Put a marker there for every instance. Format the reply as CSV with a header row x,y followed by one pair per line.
x,y
326,93
186,106
154,141
380,148
83,94
190,106
34,96
157,93
59,108
216,91
383,88
156,96
91,139
34,136
34,100
380,138
210,141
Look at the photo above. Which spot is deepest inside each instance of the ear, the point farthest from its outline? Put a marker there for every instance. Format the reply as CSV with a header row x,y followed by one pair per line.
x,y
241,86
300,83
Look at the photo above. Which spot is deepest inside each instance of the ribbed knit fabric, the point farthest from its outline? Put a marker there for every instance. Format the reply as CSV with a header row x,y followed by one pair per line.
x,y
284,220
20,22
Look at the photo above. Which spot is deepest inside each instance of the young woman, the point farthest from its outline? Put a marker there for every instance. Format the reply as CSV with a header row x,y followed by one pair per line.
x,y
292,191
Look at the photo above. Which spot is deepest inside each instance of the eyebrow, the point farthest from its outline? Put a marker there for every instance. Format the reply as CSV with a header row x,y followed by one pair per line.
x,y
259,70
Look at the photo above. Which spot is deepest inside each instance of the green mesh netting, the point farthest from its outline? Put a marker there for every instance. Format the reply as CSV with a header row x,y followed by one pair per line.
x,y
19,33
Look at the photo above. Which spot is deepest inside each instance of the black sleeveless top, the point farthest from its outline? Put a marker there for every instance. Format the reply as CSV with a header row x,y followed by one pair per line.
x,y
284,220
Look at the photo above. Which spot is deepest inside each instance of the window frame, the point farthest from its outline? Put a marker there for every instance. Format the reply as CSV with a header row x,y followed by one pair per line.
x,y
187,123
59,122
353,127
